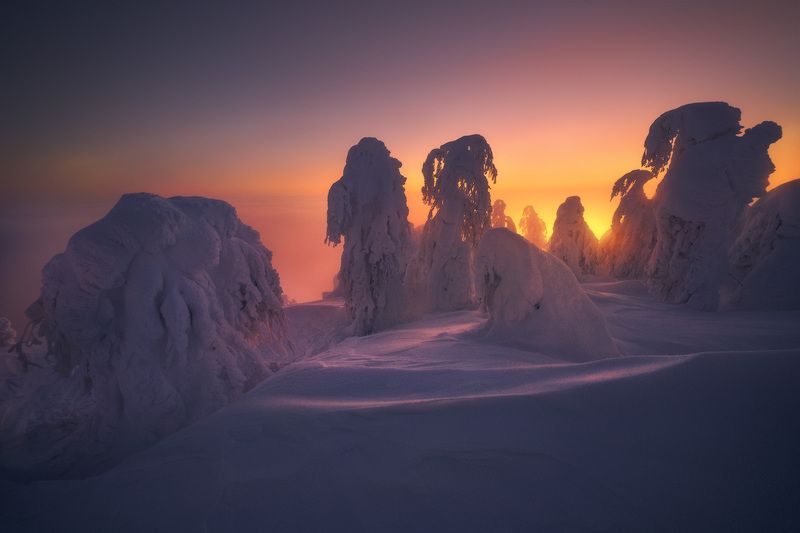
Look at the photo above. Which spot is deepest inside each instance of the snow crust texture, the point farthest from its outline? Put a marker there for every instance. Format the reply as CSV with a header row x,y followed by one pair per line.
x,y
367,207
156,315
534,300
573,241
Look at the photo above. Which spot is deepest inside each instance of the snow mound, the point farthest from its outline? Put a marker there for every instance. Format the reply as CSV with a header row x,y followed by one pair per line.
x,y
713,174
572,240
765,256
532,298
626,248
367,206
154,316
533,228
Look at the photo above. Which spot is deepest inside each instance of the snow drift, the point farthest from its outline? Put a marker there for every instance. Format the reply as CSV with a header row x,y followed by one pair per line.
x,y
532,298
533,228
626,248
456,188
367,206
765,255
572,240
154,316
713,174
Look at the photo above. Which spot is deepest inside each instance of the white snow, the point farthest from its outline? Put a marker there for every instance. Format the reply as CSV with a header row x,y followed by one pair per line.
x,y
572,240
155,316
533,228
367,206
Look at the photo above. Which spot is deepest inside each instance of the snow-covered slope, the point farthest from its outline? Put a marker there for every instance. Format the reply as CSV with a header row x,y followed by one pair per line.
x,y
424,428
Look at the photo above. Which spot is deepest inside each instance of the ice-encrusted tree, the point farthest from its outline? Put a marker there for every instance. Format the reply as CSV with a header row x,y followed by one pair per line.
x,y
766,253
499,217
533,228
367,207
159,313
713,174
572,240
533,299
8,335
457,176
626,248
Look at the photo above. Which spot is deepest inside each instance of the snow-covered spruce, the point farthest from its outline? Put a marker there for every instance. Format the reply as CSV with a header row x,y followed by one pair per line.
x,y
156,315
533,228
765,255
8,335
456,188
367,206
626,247
499,217
713,174
572,240
534,300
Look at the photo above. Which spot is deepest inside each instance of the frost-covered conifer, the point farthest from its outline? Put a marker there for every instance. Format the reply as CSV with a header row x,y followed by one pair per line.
x,y
499,217
533,228
572,240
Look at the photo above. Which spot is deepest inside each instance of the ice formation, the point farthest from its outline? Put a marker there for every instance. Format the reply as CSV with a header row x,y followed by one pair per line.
x,y
532,298
159,313
533,228
626,248
367,207
499,217
572,240
713,174
456,188
8,335
765,255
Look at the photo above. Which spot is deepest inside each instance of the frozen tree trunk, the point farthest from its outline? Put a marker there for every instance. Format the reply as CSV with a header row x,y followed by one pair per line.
x,y
154,316
499,217
533,228
367,207
457,176
572,240
713,174
626,248
533,299
765,255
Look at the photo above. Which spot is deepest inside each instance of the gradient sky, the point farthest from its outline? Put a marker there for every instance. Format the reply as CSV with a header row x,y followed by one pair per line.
x,y
258,104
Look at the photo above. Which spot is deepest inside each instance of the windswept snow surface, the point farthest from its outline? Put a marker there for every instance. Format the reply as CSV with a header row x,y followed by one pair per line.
x,y
424,428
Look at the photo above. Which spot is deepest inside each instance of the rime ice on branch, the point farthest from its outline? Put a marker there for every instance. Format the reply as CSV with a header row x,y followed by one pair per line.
x,y
533,299
499,217
457,176
367,206
765,255
626,248
713,174
572,240
533,228
157,314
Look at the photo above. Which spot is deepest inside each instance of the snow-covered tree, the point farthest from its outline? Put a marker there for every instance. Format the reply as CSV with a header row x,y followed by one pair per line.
x,y
367,206
159,313
713,174
533,228
766,253
7,334
627,246
456,188
572,241
499,217
532,298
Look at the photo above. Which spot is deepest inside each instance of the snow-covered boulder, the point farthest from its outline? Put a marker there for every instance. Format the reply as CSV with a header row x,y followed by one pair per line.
x,y
8,335
625,249
456,188
533,228
499,217
573,241
156,315
533,299
367,206
713,174
765,255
